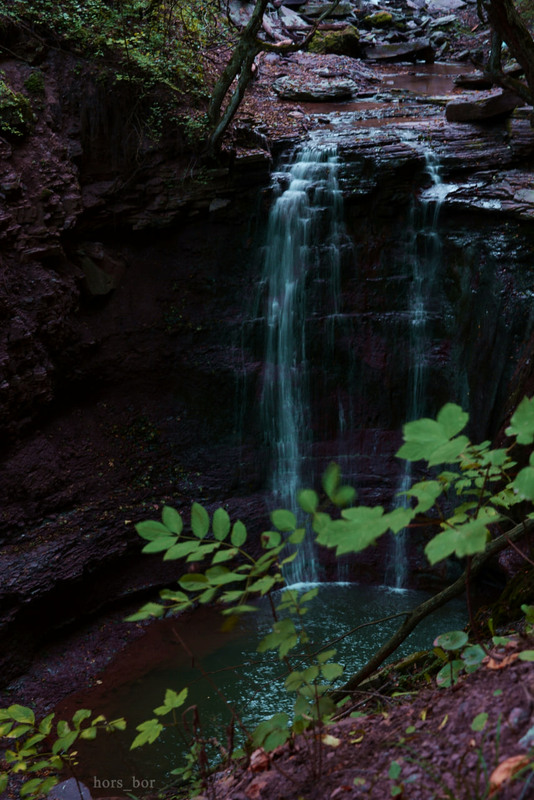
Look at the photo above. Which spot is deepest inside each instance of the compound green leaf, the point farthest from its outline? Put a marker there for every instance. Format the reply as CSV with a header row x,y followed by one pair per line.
x,y
221,524
522,422
200,520
172,520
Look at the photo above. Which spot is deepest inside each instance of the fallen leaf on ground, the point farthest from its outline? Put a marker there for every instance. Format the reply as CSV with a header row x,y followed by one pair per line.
x,y
506,770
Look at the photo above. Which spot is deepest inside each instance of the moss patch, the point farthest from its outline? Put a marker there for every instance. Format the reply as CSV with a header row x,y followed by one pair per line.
x,y
345,42
16,116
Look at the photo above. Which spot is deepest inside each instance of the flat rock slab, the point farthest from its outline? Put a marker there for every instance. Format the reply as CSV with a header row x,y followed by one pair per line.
x,y
315,91
417,50
482,106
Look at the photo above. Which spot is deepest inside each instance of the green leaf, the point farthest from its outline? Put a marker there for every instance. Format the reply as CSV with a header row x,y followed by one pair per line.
x,y
360,527
453,640
344,496
284,520
4,777
31,787
443,678
159,544
5,727
331,479
80,715
453,419
325,656
18,730
45,726
522,422
524,483
479,722
394,770
298,536
172,520
272,732
474,655
193,581
148,733
399,518
89,733
21,714
308,500
180,550
200,521
146,611
426,494
263,585
64,743
221,524
424,436
270,539
526,655
172,700
331,671
239,534
224,555
151,529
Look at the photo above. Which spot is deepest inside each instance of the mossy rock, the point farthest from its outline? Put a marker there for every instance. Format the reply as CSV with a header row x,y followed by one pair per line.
x,y
344,42
380,19
16,115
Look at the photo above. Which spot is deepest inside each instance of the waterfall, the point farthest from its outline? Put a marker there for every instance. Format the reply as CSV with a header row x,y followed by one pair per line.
x,y
300,282
424,254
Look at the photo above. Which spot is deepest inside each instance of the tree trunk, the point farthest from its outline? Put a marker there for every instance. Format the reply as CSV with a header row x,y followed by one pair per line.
x,y
506,21
424,609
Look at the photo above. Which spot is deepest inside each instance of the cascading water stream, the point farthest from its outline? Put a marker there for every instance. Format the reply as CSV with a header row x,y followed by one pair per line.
x,y
302,253
424,253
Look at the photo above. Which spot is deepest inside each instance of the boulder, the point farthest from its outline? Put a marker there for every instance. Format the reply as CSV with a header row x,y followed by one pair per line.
x,y
343,42
315,91
416,50
482,106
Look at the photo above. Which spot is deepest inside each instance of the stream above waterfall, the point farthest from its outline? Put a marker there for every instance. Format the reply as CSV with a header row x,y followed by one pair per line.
x,y
135,682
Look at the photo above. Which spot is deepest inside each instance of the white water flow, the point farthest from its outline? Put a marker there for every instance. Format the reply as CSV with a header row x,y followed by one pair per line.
x,y
424,252
300,281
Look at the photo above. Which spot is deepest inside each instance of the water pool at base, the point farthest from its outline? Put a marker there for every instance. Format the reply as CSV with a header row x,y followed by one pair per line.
x,y
135,683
